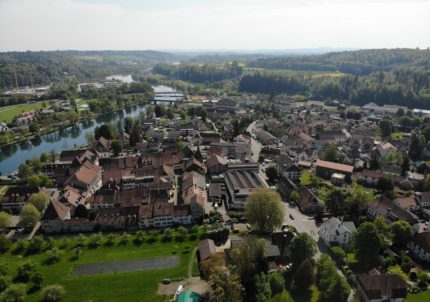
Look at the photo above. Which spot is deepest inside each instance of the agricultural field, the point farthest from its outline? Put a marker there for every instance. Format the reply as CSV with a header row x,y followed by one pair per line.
x,y
105,251
8,113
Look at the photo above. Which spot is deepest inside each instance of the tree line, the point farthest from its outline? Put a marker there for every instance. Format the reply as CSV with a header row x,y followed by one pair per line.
x,y
200,73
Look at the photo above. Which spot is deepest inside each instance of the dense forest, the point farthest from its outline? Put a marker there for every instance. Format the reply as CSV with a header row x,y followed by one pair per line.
x,y
407,89
398,76
200,73
359,62
40,68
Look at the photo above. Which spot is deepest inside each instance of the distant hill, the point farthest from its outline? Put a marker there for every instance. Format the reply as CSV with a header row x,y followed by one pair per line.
x,y
44,67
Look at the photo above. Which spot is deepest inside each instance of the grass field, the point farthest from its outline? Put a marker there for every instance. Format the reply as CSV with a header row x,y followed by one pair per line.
x,y
421,297
136,286
8,113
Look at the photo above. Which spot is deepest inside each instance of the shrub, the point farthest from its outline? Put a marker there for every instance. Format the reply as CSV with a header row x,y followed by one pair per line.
x,y
53,293
25,271
110,241
36,245
54,255
4,283
95,241
20,247
5,243
124,239
37,280
14,293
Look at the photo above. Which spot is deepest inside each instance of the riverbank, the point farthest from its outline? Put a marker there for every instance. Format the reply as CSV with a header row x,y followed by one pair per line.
x,y
30,136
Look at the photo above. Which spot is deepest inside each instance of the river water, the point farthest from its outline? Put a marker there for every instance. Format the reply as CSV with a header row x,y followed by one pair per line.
x,y
12,156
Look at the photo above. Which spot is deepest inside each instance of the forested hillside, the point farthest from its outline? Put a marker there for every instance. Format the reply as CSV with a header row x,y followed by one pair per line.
x,y
199,73
398,76
50,66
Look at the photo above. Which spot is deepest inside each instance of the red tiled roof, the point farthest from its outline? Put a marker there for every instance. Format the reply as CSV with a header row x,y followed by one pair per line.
x,y
334,166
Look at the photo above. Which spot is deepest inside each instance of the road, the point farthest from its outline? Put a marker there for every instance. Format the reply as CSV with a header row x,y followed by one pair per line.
x,y
255,145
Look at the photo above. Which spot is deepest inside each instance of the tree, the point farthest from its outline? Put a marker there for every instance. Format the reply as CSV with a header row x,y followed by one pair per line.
x,y
272,173
160,110
381,225
385,183
248,260
416,148
5,220
105,131
116,146
367,243
37,280
262,287
277,283
44,157
39,200
28,216
401,232
338,254
405,165
128,125
386,127
24,170
332,286
54,255
305,275
53,293
336,204
358,200
330,153
302,247
264,210
225,287
135,134
14,293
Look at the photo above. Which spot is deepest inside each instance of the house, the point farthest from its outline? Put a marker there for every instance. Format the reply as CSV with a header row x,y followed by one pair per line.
x,y
194,194
102,146
389,210
336,232
216,164
409,204
265,137
53,218
16,197
325,169
308,202
287,168
420,246
88,178
423,199
385,148
382,288
206,250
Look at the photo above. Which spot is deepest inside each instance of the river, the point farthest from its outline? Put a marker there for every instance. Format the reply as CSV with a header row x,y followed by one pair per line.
x,y
12,156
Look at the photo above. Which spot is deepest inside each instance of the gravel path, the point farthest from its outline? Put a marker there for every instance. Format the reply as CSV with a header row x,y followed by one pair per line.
x,y
125,266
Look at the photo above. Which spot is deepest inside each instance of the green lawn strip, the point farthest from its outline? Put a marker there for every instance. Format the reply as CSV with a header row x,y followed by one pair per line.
x,y
420,297
137,286
7,114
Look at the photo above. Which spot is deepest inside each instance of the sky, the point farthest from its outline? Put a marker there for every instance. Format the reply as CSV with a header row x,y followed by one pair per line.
x,y
212,24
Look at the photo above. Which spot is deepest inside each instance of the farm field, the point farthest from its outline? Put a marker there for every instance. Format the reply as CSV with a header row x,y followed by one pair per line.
x,y
136,285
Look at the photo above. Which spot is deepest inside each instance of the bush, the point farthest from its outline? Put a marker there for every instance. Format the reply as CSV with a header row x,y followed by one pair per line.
x,y
4,283
14,293
277,283
82,240
54,255
25,271
37,280
20,247
95,241
110,241
338,254
36,245
124,239
53,293
5,243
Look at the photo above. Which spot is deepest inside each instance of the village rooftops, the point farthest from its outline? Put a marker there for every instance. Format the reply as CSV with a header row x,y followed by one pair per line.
x,y
87,173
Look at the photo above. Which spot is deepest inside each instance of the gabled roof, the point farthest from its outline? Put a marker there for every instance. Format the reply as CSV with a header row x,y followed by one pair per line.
x,y
206,249
55,210
334,166
379,286
87,173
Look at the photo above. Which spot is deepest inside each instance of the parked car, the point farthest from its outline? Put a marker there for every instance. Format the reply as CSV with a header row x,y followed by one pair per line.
x,y
166,281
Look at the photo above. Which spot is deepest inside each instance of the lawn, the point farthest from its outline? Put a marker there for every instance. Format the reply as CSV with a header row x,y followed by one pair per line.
x,y
421,297
136,286
8,113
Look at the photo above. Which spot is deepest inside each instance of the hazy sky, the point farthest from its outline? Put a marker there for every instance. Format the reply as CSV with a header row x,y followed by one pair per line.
x,y
212,24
